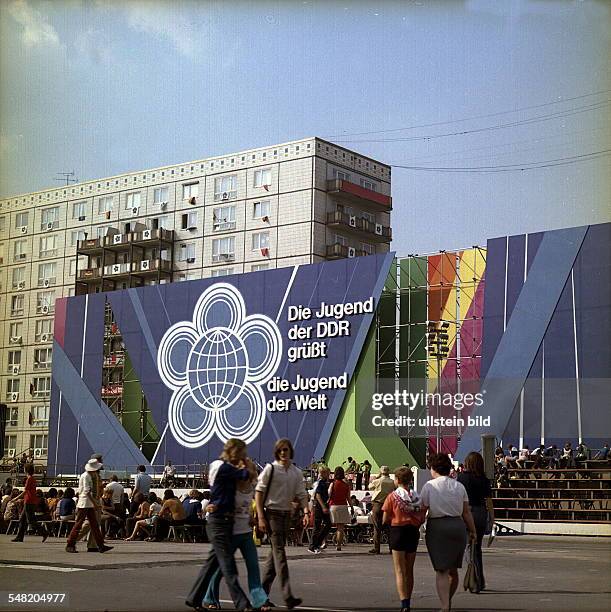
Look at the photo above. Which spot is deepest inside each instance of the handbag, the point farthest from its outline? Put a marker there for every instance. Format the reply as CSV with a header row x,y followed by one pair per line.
x,y
471,581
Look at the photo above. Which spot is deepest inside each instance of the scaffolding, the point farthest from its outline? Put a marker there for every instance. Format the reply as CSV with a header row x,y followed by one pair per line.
x,y
429,325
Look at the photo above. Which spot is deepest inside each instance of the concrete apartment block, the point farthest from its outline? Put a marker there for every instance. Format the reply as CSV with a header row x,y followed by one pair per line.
x,y
283,205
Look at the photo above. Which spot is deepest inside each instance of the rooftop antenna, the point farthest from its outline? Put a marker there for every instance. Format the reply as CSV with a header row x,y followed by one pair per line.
x,y
67,176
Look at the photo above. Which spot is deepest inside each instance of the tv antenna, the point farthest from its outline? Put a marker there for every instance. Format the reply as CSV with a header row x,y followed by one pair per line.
x,y
67,176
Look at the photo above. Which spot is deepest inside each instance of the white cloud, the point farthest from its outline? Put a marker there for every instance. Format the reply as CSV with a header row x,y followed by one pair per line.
x,y
37,31
164,20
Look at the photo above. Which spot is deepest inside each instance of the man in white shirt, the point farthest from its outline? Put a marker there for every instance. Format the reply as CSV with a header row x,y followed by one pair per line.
x,y
86,508
142,482
117,494
279,484
169,475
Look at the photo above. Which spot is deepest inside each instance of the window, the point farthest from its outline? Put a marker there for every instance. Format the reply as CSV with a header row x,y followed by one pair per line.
x,y
78,210
225,187
101,231
48,246
164,222
368,184
369,216
132,200
42,358
260,209
12,417
45,302
340,174
259,267
40,416
160,195
223,249
21,220
19,277
105,204
82,264
14,361
10,446
47,273
260,241
263,178
187,252
43,330
189,220
17,305
20,249
15,331
189,191
77,235
12,389
41,386
368,248
223,218
340,240
221,272
2,224
49,218
39,443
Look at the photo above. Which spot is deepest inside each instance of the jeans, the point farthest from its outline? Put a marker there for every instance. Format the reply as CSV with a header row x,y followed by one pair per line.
x,y
219,529
91,515
246,545
279,524
28,516
322,525
480,517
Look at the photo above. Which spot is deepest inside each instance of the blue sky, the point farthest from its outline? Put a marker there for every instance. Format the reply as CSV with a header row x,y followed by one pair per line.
x,y
103,88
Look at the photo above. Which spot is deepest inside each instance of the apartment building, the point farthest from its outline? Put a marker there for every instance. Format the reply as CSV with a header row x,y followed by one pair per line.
x,y
294,203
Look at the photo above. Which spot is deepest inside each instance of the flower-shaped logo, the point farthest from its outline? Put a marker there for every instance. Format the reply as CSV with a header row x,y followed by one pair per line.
x,y
217,366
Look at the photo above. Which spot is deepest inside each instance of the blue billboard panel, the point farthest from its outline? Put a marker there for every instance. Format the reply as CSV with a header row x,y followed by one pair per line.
x,y
257,356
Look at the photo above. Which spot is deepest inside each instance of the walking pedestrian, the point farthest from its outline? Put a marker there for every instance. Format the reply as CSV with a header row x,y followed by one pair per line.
x,y
320,505
402,511
97,492
480,502
87,507
339,502
279,484
447,503
235,467
380,487
31,501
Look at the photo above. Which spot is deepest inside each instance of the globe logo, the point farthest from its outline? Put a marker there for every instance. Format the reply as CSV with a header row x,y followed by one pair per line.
x,y
217,369
216,365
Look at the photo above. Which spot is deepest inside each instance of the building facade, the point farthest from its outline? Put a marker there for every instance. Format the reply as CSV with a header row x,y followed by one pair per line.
x,y
301,202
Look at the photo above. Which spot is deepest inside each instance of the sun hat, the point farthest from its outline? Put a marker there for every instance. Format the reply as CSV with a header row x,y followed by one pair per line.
x,y
93,465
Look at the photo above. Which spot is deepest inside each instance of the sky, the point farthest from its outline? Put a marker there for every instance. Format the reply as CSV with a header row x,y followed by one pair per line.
x,y
498,111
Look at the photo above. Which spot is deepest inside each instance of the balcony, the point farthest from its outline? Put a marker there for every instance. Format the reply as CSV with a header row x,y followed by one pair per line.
x,y
361,196
341,251
359,226
91,246
90,275
118,242
147,236
117,269
151,266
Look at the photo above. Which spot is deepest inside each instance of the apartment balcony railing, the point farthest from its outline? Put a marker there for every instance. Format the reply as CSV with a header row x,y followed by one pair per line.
x,y
356,194
359,226
340,251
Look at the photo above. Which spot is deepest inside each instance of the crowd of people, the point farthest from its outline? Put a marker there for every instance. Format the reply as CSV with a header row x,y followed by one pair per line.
x,y
244,506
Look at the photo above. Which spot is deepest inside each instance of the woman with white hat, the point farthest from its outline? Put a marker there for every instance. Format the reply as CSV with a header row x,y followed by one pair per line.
x,y
86,507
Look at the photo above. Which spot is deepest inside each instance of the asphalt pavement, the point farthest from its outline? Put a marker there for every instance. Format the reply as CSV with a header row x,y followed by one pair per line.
x,y
523,573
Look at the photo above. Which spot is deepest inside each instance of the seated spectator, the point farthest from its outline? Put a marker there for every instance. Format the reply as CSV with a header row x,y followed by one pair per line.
x,y
42,509
567,459
523,456
367,501
540,450
169,475
110,522
582,452
603,453
117,494
52,501
499,455
358,509
13,507
193,508
66,507
171,514
134,513
7,488
512,455
205,499
146,525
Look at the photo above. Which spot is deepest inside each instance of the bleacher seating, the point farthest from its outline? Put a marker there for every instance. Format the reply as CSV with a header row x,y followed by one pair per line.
x,y
579,494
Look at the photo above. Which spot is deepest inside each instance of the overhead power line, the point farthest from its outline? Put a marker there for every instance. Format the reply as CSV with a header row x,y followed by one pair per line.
x,y
521,122
561,161
487,116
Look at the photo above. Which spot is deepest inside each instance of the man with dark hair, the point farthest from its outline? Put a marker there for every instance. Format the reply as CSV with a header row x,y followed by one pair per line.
x,y
142,482
117,495
279,484
320,504
30,503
